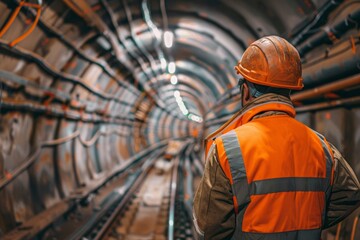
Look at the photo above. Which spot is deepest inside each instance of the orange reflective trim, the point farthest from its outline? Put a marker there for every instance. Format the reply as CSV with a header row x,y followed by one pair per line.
x,y
288,149
284,211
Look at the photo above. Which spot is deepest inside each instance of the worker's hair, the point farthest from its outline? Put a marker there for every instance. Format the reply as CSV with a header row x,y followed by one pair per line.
x,y
257,90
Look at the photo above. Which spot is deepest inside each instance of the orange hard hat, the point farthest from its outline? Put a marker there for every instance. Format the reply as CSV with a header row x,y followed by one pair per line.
x,y
271,61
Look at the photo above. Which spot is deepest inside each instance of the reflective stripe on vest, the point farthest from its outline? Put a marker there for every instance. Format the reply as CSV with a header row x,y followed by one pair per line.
x,y
232,161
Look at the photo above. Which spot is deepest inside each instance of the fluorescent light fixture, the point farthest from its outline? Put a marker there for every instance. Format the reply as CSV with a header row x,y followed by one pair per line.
x,y
163,63
168,39
176,93
195,118
182,106
171,68
173,80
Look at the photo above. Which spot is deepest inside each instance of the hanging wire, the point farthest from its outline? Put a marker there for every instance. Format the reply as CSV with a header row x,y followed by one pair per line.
x,y
37,6
163,13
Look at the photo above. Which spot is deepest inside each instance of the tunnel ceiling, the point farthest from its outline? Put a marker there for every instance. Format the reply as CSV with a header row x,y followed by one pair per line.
x,y
107,61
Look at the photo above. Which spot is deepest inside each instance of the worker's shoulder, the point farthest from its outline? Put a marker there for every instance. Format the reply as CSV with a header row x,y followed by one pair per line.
x,y
247,130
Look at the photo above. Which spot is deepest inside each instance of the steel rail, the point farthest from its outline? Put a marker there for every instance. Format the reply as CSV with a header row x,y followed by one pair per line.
x,y
29,229
174,187
120,201
110,220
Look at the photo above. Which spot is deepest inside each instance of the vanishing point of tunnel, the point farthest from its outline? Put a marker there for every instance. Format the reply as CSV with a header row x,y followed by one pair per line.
x,y
105,106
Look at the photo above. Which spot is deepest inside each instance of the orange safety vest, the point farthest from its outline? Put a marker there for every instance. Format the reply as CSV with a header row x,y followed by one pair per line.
x,y
281,174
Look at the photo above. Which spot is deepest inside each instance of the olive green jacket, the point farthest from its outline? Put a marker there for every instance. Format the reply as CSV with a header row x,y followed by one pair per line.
x,y
213,210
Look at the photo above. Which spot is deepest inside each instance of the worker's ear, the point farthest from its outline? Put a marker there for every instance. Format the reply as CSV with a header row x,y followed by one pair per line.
x,y
245,95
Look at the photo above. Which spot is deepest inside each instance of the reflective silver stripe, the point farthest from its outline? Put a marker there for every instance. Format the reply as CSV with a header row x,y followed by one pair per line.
x,y
329,166
240,185
329,163
328,157
234,155
241,192
313,234
288,185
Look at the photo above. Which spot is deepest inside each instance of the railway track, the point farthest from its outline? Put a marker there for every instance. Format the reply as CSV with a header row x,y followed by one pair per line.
x,y
150,200
145,216
155,209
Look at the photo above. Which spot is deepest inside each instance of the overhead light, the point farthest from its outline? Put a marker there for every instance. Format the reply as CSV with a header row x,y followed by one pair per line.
x,y
177,94
171,68
195,118
163,63
173,80
168,39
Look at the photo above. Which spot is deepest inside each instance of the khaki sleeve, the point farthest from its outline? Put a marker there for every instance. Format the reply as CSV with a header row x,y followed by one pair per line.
x,y
213,210
345,194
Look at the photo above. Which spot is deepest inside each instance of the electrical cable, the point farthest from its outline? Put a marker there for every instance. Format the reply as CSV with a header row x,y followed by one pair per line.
x,y
11,176
13,17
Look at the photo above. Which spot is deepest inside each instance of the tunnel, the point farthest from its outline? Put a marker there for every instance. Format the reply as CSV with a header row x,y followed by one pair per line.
x,y
105,105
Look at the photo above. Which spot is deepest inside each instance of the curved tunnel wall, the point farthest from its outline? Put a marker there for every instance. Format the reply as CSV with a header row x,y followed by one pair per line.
x,y
90,89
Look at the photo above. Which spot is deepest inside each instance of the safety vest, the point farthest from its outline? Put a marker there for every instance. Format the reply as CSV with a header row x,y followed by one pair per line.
x,y
245,116
281,176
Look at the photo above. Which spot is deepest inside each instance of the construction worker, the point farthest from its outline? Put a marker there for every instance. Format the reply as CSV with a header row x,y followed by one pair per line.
x,y
268,176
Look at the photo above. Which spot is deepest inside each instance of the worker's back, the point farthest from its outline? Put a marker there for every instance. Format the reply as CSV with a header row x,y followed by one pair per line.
x,y
285,170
